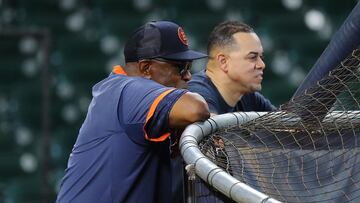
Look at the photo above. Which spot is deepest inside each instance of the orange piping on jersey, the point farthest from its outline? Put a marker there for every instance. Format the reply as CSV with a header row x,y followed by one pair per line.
x,y
151,113
119,70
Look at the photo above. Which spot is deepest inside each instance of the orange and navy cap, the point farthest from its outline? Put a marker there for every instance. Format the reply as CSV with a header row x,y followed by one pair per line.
x,y
159,39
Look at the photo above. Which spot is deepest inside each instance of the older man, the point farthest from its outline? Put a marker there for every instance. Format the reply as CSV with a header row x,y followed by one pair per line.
x,y
122,153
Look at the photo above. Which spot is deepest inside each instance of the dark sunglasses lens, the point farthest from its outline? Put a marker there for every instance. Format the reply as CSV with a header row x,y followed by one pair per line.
x,y
184,68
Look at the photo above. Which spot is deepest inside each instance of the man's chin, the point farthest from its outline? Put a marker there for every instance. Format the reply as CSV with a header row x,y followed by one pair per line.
x,y
256,88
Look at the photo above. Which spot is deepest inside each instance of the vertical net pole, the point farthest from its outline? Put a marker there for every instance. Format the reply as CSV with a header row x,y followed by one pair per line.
x,y
191,176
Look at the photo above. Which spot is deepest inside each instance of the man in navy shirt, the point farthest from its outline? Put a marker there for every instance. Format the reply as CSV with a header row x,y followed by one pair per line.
x,y
122,153
232,78
234,71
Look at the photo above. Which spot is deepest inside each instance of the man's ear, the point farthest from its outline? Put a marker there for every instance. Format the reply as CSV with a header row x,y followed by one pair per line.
x,y
222,61
144,68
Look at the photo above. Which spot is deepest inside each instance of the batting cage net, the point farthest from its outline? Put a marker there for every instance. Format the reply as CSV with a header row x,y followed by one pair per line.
x,y
306,152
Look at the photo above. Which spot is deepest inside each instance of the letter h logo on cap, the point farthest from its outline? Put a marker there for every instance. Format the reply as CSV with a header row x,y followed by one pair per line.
x,y
182,36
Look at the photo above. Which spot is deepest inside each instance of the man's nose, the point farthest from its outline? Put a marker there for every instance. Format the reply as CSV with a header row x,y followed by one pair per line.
x,y
260,63
187,76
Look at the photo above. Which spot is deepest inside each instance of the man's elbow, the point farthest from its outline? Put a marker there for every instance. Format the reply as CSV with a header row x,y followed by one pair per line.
x,y
200,112
190,108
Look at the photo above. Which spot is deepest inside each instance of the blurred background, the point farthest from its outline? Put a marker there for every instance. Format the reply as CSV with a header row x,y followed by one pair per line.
x,y
53,51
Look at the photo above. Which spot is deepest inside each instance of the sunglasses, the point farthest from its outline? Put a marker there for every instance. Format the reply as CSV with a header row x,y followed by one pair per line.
x,y
183,67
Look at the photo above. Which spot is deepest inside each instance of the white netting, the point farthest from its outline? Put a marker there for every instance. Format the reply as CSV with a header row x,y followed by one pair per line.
x,y
306,152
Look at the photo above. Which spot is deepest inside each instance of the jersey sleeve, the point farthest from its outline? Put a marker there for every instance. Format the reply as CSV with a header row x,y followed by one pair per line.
x,y
144,109
157,122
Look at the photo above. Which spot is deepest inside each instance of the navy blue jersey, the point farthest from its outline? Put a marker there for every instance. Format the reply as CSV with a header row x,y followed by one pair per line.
x,y
201,84
122,153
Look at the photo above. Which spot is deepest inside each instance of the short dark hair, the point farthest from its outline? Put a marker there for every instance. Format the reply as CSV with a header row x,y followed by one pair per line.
x,y
222,34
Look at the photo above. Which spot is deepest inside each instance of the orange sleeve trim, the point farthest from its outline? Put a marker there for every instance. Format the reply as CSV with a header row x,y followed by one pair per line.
x,y
151,113
119,70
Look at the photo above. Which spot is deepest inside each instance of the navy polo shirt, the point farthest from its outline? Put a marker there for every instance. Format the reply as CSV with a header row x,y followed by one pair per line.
x,y
201,84
122,153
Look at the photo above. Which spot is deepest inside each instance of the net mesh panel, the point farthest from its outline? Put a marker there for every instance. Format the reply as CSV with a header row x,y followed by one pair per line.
x,y
306,152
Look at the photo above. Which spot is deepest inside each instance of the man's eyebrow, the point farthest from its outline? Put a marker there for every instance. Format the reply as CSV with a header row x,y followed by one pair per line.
x,y
254,52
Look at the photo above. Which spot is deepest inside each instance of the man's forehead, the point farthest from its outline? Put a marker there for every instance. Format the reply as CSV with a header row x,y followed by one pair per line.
x,y
248,42
246,36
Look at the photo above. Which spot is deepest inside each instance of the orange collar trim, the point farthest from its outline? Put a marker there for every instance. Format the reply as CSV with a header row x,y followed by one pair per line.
x,y
119,70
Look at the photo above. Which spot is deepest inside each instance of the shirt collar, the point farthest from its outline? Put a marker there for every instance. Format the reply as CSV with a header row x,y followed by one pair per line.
x,y
119,70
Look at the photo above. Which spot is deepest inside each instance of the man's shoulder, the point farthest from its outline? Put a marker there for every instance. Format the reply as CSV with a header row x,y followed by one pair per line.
x,y
126,81
202,85
133,87
199,76
140,82
199,82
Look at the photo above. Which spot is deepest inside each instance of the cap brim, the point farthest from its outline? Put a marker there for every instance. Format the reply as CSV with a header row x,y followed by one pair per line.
x,y
187,55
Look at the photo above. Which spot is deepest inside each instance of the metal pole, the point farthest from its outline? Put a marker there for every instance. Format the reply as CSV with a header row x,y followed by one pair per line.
x,y
190,171
46,121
